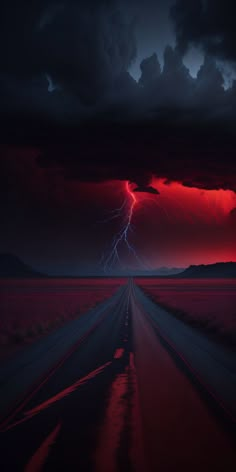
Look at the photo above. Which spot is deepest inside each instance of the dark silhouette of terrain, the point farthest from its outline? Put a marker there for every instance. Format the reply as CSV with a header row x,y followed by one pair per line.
x,y
12,266
218,270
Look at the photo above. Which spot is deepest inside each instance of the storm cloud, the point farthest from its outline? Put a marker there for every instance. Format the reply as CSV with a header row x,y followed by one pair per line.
x,y
83,46
76,125
86,49
96,122
209,24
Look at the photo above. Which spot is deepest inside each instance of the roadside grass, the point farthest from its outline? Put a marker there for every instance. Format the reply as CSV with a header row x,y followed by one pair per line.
x,y
211,317
32,311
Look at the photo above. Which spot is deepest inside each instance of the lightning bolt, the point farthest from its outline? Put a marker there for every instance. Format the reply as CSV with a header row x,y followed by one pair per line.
x,y
121,239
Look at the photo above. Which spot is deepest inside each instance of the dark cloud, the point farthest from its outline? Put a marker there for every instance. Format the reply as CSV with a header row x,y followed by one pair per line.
x,y
99,124
209,24
84,46
232,218
75,125
175,87
209,86
150,71
86,49
147,189
99,48
197,154
178,128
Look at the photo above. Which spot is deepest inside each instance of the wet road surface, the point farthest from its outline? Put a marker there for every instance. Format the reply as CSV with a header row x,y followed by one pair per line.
x,y
130,389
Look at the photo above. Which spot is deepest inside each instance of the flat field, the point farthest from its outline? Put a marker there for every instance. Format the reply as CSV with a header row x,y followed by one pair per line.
x,y
207,304
30,309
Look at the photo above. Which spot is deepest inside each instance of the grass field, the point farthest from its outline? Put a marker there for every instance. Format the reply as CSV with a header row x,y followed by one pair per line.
x,y
30,309
207,304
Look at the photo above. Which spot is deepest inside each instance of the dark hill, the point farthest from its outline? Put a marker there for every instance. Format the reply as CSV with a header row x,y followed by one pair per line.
x,y
12,266
218,270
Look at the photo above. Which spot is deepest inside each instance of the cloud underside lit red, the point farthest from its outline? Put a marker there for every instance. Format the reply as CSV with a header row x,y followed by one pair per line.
x,y
182,225
53,220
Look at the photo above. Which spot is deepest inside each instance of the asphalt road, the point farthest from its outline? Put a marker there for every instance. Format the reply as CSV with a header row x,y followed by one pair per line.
x,y
128,388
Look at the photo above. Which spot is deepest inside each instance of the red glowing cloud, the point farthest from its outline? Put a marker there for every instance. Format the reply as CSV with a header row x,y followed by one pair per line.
x,y
192,203
179,226
183,225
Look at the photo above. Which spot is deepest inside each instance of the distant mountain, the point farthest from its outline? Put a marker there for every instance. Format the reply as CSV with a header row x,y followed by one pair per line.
x,y
168,271
12,266
218,270
160,272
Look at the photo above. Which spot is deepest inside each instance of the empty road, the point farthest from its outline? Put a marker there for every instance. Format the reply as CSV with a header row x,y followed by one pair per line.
x,y
127,387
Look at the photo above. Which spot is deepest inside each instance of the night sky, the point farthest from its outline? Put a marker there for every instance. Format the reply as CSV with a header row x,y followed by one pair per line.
x,y
109,106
